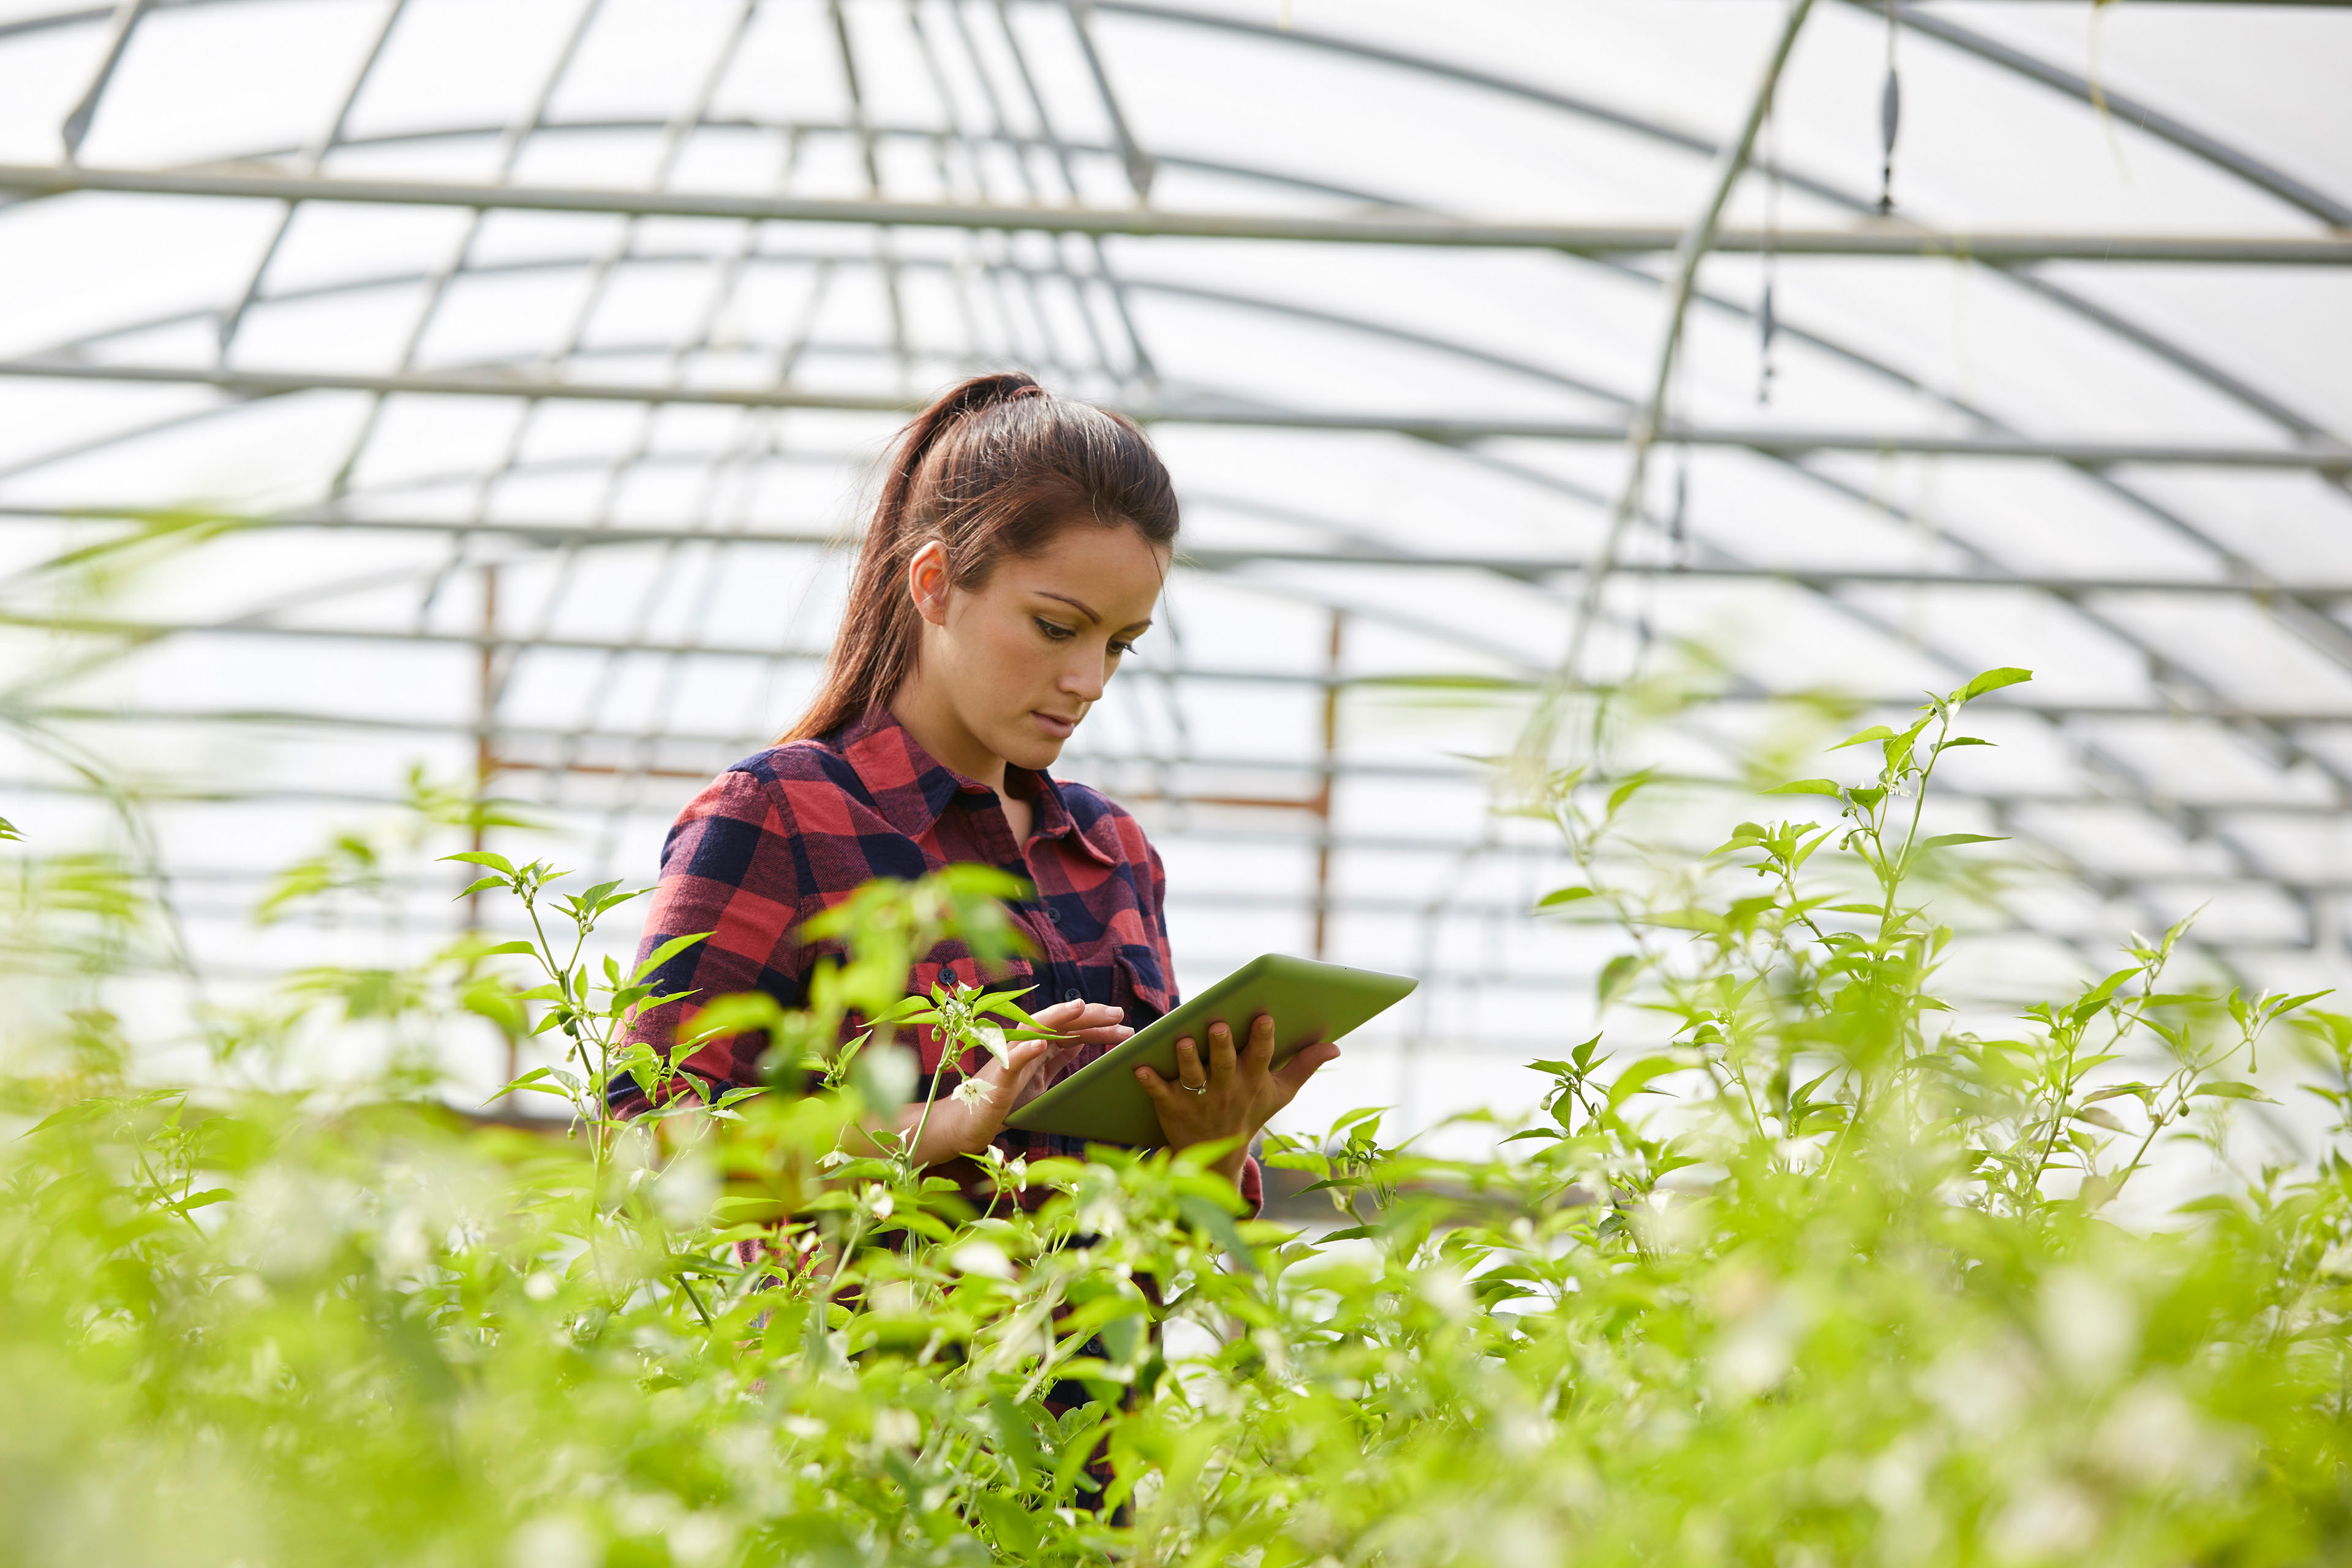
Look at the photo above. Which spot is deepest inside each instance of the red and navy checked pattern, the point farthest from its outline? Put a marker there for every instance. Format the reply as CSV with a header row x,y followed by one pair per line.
x,y
791,832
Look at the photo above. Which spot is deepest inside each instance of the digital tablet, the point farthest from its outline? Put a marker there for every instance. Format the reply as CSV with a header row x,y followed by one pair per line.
x,y
1310,1002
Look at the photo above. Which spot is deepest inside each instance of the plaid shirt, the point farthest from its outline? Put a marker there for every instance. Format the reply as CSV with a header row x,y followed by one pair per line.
x,y
782,836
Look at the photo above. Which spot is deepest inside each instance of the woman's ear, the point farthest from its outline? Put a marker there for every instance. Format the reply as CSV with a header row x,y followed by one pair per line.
x,y
927,583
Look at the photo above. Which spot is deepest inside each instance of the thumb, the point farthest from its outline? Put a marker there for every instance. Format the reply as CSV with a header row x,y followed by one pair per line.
x,y
1300,1067
1014,1070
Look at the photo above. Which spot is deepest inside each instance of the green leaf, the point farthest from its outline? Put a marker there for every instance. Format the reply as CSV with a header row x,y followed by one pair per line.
x,y
1624,792
1562,896
1807,787
1945,840
205,1199
661,955
1636,1080
2233,1092
2106,988
1220,1227
1992,680
1876,733
1616,974
483,857
2282,1005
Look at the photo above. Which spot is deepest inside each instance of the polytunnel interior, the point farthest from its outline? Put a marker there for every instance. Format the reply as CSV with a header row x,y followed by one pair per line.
x,y
507,376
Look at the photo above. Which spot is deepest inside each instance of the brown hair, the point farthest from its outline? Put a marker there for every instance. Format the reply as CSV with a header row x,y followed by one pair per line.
x,y
997,467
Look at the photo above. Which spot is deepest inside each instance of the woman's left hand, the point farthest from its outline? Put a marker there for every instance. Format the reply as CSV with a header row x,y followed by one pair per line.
x,y
968,1120
1231,1094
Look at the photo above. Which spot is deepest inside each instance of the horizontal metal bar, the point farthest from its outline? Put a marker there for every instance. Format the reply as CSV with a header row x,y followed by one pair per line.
x,y
1883,238
1438,429
1305,898
1316,766
1225,558
1438,682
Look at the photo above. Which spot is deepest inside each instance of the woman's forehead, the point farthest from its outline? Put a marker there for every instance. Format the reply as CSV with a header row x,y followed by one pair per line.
x,y
1112,574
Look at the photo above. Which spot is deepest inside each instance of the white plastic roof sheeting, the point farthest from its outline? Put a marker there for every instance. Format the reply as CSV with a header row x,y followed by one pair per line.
x,y
547,343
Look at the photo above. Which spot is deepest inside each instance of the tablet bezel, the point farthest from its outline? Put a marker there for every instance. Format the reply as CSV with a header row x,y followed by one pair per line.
x,y
1310,1001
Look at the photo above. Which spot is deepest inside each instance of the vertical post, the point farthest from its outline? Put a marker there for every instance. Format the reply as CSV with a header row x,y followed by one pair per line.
x,y
485,698
486,757
1321,805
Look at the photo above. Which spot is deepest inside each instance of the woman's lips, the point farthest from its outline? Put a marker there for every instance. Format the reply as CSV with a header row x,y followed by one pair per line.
x,y
1055,725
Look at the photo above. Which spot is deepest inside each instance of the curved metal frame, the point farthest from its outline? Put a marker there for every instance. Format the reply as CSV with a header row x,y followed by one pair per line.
x,y
2295,425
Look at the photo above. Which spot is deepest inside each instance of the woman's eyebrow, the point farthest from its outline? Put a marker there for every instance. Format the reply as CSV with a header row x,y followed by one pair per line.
x,y
1138,629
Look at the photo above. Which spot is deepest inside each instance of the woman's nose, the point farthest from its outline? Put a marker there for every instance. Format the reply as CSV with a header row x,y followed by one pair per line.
x,y
1082,679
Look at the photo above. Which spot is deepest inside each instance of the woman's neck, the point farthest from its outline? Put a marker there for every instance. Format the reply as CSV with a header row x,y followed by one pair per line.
x,y
937,730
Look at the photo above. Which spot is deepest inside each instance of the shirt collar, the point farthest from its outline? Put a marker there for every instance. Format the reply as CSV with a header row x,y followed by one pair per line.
x,y
911,788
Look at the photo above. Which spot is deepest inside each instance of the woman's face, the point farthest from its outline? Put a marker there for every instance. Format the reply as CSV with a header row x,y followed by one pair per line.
x,y
1016,664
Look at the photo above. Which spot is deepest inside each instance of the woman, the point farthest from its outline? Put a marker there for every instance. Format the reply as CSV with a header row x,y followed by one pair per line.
x,y
1016,553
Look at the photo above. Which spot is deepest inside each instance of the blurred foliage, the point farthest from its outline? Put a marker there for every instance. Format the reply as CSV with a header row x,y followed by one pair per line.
x,y
1852,1294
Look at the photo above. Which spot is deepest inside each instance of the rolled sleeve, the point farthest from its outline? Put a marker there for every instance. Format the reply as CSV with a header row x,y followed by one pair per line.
x,y
729,867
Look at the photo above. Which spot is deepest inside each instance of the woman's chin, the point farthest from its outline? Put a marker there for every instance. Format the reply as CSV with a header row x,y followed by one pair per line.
x,y
1033,745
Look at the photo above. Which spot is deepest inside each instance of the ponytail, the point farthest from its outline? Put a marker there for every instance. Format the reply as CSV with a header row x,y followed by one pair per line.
x,y
997,467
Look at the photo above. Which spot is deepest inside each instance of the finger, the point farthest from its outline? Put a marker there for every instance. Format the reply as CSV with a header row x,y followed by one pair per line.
x,y
1109,1034
1188,1066
1221,1054
1063,1018
1016,1064
1300,1067
1260,1053
1155,1085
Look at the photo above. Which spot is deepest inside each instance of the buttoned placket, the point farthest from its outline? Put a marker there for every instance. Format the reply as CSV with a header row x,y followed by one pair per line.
x,y
1059,982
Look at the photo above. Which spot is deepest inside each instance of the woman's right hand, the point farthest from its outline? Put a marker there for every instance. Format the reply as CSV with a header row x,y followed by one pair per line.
x,y
967,1120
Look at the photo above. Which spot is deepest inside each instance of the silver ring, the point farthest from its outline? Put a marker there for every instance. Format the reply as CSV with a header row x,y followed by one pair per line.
x,y
1188,1088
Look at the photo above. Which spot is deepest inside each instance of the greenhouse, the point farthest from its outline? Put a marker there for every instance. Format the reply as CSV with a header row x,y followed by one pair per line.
x,y
431,426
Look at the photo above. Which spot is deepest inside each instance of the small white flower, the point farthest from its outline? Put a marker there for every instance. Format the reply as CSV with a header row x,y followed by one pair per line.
x,y
554,1541
700,1538
970,1092
983,1257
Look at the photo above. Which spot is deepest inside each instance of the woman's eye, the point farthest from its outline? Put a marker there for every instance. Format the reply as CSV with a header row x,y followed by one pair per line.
x,y
1058,634
1120,649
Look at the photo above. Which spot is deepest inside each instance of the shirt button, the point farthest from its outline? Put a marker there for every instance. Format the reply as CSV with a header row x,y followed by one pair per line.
x,y
1072,995
1054,915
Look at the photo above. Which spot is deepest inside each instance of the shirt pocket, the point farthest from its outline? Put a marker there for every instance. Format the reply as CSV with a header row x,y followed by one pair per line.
x,y
1143,990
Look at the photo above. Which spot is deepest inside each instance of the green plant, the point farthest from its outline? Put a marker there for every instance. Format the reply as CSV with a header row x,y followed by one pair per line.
x,y
1854,1294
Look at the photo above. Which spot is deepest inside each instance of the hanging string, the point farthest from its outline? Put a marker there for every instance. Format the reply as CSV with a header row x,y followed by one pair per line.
x,y
1678,520
1766,323
1677,534
1890,114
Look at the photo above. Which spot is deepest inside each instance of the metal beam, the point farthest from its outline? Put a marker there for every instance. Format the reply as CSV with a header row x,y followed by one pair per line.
x,y
1437,428
1876,238
2184,877
1220,558
156,631
2130,110
1311,767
